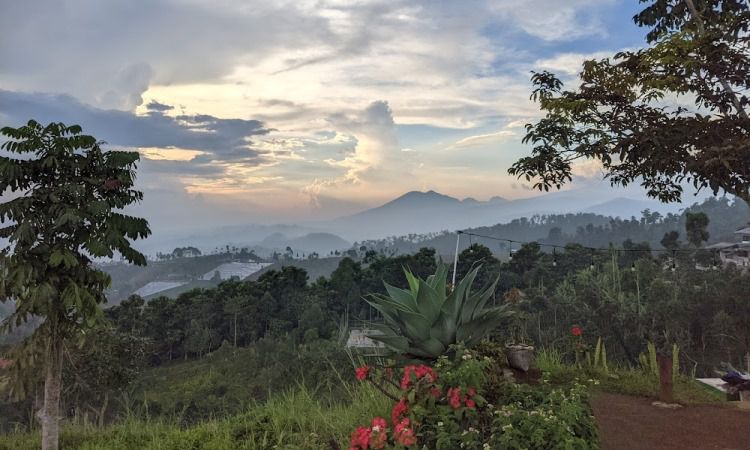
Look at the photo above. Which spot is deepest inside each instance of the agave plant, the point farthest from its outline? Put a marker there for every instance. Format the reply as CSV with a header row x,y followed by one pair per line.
x,y
426,319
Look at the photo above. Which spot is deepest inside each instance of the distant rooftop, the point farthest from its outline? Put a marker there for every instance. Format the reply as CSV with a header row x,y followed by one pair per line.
x,y
231,270
155,287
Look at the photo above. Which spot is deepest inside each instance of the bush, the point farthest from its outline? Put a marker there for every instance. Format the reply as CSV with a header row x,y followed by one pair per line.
x,y
454,406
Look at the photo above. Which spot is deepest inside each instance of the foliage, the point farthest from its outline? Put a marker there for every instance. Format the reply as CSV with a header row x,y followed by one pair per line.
x,y
426,319
621,114
447,408
294,420
649,362
66,193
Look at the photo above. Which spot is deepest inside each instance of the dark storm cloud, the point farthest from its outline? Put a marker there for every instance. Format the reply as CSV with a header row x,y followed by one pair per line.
x,y
225,140
156,106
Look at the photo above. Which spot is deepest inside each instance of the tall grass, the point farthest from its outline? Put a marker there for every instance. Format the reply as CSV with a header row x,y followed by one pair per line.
x,y
293,420
549,360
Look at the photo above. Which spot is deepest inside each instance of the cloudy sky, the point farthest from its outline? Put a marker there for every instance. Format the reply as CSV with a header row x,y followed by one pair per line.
x,y
269,111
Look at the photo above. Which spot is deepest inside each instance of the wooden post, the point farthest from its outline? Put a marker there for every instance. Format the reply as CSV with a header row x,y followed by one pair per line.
x,y
666,391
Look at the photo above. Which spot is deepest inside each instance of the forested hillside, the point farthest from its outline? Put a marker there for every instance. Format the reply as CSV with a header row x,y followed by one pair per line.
x,y
590,230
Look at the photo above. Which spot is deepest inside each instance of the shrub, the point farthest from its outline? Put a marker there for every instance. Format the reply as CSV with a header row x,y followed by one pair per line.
x,y
426,319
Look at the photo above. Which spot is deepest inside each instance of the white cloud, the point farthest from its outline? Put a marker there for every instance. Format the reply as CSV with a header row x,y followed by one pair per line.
x,y
483,139
569,64
309,71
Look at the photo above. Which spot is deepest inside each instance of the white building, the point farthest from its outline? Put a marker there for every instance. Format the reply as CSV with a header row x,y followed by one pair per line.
x,y
360,338
237,270
735,253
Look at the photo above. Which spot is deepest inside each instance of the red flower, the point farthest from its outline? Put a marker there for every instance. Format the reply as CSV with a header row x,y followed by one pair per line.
x,y
454,397
470,403
379,423
399,411
420,371
423,371
576,331
406,379
379,435
361,438
362,372
404,434
378,440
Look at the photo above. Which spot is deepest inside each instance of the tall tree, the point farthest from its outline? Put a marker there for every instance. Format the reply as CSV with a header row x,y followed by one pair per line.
x,y
696,228
65,194
626,112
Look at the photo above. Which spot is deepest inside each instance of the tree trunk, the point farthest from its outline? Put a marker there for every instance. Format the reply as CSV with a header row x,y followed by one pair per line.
x,y
666,392
49,415
235,330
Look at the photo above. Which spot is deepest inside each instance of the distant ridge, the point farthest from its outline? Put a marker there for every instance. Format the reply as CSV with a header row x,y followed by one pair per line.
x,y
431,211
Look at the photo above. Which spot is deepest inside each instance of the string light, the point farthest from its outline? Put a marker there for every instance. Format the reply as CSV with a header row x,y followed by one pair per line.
x,y
674,260
632,267
554,257
510,249
592,266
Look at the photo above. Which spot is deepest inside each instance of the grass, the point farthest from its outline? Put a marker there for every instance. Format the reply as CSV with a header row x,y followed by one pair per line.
x,y
229,380
626,381
293,420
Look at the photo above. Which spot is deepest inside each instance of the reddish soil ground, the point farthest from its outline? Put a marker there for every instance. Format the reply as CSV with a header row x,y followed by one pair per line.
x,y
633,423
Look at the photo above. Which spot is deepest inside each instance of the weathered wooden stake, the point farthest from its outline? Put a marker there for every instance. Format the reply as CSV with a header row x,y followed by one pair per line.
x,y
666,388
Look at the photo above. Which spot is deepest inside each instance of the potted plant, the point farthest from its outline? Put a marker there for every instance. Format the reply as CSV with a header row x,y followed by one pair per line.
x,y
519,352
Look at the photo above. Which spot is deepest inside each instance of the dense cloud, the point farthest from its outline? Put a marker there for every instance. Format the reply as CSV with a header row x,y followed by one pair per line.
x,y
220,139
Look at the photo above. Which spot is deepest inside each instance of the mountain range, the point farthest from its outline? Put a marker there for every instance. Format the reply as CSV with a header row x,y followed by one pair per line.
x,y
412,213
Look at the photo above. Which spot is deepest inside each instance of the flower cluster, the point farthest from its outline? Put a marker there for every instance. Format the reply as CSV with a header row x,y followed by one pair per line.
x,y
376,435
456,400
362,372
413,373
422,395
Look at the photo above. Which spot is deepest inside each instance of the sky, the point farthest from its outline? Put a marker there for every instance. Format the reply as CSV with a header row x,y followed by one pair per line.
x,y
263,112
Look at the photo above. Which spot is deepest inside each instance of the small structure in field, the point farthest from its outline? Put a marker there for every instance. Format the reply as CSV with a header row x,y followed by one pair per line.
x,y
360,338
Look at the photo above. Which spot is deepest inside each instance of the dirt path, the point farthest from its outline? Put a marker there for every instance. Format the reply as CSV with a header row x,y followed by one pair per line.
x,y
633,423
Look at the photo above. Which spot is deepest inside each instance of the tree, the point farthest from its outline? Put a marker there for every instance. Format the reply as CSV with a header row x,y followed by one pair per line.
x,y
696,225
68,191
623,113
671,240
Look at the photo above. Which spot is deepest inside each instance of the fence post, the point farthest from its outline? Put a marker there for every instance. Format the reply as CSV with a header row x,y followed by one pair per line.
x,y
666,391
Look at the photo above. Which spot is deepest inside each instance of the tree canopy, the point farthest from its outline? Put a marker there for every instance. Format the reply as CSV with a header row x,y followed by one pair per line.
x,y
65,194
633,112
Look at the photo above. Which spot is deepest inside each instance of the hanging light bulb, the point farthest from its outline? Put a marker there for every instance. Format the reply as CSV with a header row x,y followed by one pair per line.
x,y
554,257
674,260
510,250
632,267
592,266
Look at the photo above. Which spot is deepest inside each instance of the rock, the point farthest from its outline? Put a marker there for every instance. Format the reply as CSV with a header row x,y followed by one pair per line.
x,y
666,405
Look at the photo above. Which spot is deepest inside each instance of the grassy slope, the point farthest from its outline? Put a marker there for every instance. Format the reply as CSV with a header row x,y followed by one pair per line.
x,y
127,278
316,268
227,381
294,420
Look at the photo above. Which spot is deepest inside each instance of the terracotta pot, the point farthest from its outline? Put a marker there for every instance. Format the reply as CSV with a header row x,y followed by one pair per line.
x,y
520,356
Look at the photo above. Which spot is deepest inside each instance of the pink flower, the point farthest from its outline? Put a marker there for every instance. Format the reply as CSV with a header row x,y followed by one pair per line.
x,y
423,371
362,372
470,403
361,439
404,434
379,424
576,331
379,435
454,397
399,410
